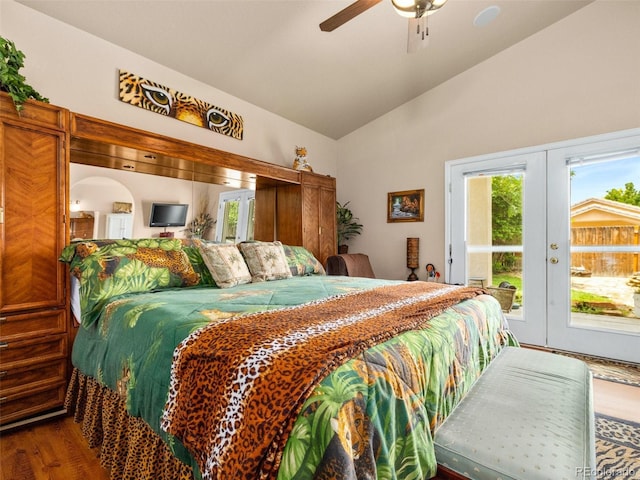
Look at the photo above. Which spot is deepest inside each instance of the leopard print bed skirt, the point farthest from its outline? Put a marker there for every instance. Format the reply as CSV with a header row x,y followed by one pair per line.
x,y
130,449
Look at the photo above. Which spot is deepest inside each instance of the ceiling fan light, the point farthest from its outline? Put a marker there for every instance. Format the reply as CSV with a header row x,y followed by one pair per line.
x,y
416,8
404,8
435,6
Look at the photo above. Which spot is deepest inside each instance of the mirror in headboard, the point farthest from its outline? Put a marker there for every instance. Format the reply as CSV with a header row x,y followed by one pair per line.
x,y
159,168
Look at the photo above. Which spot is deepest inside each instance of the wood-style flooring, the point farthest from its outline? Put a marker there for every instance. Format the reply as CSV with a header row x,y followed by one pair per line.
x,y
51,450
56,450
616,400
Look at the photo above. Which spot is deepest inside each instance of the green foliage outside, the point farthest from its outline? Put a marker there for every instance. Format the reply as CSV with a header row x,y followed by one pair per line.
x,y
627,195
506,207
506,204
506,219
580,301
506,214
231,210
11,81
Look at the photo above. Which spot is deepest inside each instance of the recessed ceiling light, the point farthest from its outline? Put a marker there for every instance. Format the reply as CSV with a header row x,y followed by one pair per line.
x,y
486,16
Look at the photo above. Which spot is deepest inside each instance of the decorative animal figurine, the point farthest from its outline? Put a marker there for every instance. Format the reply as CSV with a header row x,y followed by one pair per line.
x,y
300,162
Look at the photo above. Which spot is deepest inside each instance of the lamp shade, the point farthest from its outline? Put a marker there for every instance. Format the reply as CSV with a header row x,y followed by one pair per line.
x,y
413,252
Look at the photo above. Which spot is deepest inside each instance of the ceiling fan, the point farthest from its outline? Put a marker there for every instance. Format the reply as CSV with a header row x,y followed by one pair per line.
x,y
416,11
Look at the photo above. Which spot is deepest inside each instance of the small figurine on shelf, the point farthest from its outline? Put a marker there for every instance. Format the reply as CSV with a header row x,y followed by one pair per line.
x,y
300,162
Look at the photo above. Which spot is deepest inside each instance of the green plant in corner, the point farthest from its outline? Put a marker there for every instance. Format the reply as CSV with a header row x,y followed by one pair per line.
x,y
11,61
347,224
202,222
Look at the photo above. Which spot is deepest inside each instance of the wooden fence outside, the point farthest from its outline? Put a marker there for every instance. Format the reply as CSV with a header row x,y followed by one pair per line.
x,y
608,264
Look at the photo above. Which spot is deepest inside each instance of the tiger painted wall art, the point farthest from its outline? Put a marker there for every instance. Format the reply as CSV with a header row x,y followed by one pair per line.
x,y
157,98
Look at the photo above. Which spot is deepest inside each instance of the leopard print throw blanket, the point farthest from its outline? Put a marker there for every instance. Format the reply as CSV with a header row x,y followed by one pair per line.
x,y
238,384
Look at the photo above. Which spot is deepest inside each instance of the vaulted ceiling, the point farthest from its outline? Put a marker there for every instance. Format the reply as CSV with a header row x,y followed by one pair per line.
x,y
272,53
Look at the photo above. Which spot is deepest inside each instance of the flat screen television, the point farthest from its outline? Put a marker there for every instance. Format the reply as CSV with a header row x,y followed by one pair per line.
x,y
168,215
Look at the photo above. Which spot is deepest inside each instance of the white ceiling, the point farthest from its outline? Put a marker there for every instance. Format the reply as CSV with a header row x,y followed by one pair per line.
x,y
272,54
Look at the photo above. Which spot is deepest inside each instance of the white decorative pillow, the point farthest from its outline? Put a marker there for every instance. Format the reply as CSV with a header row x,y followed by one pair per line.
x,y
226,264
266,260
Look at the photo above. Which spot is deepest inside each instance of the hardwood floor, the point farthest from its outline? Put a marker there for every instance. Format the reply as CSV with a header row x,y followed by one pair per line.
x,y
52,450
616,400
56,450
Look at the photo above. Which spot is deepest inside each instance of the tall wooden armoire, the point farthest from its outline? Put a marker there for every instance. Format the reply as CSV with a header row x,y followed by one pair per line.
x,y
33,319
306,214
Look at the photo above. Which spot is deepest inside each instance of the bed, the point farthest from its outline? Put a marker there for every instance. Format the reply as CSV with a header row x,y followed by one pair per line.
x,y
202,360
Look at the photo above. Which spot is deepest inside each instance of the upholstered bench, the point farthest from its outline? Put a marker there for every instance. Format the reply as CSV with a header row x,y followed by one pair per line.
x,y
529,416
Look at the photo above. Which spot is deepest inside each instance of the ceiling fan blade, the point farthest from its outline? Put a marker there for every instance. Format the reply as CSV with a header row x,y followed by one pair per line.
x,y
346,14
418,34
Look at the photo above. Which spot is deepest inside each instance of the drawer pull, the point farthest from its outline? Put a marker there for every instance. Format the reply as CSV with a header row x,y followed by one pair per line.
x,y
3,374
4,345
3,399
3,319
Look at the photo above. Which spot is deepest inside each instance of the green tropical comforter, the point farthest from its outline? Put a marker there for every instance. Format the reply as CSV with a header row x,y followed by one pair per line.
x,y
362,421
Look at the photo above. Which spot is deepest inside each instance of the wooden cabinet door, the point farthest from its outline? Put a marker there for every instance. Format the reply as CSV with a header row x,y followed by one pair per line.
x,y
311,219
31,175
319,215
289,217
306,215
328,234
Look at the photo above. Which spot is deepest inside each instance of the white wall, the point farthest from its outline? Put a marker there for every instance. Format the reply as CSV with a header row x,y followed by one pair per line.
x,y
578,77
80,72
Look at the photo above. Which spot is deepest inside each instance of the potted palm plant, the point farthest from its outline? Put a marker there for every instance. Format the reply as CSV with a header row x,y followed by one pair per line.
x,y
200,225
347,226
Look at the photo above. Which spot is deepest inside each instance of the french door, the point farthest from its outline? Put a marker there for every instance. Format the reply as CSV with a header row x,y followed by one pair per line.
x,y
235,220
497,223
536,222
591,305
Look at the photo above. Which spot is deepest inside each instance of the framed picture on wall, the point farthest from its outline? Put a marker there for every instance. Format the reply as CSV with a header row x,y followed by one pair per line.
x,y
407,206
122,207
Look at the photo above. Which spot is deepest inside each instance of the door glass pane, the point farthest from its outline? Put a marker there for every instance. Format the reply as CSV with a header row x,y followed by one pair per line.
x,y
494,237
230,224
605,224
250,218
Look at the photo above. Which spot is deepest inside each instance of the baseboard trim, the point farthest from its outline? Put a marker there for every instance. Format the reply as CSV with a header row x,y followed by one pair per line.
x,y
30,420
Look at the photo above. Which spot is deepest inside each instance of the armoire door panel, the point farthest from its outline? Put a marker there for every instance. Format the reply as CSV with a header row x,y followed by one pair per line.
x,y
30,279
329,241
311,224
